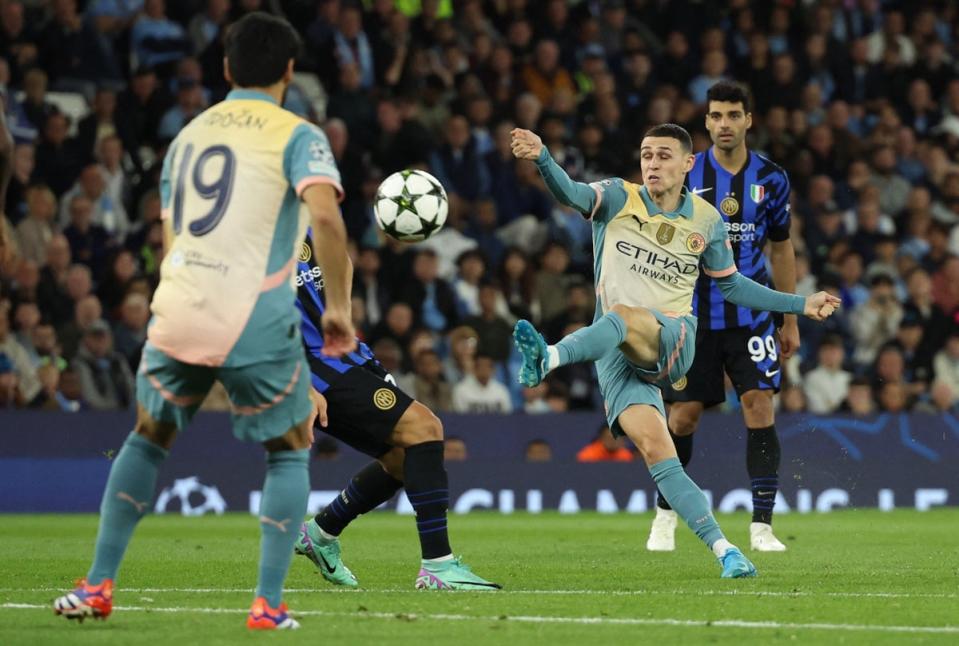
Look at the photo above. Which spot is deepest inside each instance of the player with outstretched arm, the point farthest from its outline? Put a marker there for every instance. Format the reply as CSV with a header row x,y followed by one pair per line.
x,y
650,243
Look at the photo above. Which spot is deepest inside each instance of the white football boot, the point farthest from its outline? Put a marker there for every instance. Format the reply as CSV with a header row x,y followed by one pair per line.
x,y
762,539
662,534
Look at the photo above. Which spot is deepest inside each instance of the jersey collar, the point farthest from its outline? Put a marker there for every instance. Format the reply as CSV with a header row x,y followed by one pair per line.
x,y
256,95
685,204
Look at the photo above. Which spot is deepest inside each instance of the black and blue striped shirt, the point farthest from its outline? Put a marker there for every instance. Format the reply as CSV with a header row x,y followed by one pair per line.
x,y
311,302
755,206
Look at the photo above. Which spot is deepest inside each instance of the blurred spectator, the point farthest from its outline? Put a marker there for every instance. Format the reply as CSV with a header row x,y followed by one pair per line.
x,y
909,338
792,399
69,48
37,229
205,27
58,158
105,378
366,282
495,333
605,448
115,284
480,392
459,362
87,311
52,295
101,123
24,160
544,75
430,295
105,213
827,385
538,451
894,398
516,278
471,266
859,400
35,105
454,450
143,104
552,280
189,103
130,332
155,40
24,376
534,399
428,385
946,363
458,163
875,322
9,392
89,242
396,326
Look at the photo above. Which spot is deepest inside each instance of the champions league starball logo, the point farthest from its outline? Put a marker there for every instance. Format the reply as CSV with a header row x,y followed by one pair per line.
x,y
189,491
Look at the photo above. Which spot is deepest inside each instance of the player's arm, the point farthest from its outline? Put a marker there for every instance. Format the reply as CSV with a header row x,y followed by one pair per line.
x,y
782,257
582,197
719,264
329,245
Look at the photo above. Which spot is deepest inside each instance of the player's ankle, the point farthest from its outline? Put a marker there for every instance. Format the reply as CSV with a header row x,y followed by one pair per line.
x,y
438,559
722,546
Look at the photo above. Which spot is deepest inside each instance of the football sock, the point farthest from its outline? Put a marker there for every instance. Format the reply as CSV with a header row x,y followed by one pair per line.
x,y
684,451
687,499
427,488
367,490
762,462
592,342
126,500
282,507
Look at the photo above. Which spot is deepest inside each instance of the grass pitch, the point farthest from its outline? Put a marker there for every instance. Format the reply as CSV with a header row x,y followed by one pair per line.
x,y
849,577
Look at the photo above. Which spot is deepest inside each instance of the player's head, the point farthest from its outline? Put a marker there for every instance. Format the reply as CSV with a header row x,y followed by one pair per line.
x,y
260,50
728,115
666,155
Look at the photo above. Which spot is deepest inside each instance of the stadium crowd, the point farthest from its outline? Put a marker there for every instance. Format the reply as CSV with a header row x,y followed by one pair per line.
x,y
857,99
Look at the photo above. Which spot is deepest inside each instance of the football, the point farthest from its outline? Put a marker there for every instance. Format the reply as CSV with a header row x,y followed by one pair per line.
x,y
410,205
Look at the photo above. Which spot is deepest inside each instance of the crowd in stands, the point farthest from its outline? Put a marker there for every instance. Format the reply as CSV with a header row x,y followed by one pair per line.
x,y
857,99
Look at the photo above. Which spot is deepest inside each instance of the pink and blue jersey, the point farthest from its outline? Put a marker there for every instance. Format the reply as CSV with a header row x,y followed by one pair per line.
x,y
230,189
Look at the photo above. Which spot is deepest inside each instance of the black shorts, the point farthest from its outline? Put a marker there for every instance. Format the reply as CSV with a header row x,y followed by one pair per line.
x,y
750,356
363,407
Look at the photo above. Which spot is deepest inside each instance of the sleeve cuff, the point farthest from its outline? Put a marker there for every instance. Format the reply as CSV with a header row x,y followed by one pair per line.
x,y
306,182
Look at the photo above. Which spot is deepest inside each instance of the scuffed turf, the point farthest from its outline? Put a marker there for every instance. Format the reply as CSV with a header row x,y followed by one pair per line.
x,y
860,577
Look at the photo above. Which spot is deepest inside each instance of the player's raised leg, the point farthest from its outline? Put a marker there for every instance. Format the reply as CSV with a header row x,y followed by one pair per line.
x,y
762,463
683,420
126,499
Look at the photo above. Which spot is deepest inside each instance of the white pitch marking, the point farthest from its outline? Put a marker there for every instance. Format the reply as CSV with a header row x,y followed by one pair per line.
x,y
538,619
611,593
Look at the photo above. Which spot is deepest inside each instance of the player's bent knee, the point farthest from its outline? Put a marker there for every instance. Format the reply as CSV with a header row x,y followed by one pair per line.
x,y
684,419
758,409
418,425
298,438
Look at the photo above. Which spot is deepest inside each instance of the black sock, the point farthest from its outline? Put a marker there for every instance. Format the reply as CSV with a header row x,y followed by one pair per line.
x,y
367,490
427,487
684,451
762,462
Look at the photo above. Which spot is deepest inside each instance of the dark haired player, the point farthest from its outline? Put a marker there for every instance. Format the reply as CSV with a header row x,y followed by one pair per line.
x,y
650,242
752,195
366,410
237,186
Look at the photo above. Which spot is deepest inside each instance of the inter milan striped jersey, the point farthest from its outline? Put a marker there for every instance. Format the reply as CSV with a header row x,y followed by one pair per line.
x,y
754,203
311,302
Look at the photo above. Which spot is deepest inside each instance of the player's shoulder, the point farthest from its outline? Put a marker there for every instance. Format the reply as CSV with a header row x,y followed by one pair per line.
x,y
609,183
768,168
703,208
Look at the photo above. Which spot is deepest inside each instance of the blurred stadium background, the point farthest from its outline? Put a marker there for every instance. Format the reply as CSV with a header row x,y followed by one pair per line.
x,y
857,99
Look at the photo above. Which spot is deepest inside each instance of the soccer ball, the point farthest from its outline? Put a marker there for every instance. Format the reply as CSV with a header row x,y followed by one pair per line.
x,y
410,205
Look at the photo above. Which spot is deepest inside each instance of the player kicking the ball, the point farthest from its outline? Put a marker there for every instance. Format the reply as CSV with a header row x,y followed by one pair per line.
x,y
650,242
233,186
361,405
752,195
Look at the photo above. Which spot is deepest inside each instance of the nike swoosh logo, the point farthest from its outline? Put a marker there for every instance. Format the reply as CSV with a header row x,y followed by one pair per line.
x,y
700,191
496,586
765,493
770,373
326,564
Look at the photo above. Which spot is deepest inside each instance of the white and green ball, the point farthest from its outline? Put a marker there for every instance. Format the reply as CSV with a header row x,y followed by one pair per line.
x,y
410,205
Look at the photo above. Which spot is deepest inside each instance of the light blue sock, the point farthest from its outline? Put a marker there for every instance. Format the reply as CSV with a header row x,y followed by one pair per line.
x,y
126,500
687,499
593,342
282,507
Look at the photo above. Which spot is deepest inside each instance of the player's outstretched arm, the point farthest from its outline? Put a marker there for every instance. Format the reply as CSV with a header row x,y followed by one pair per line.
x,y
329,248
740,290
527,145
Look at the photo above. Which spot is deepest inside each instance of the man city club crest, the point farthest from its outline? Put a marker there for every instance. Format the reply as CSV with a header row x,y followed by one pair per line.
x,y
757,192
729,206
696,242
664,234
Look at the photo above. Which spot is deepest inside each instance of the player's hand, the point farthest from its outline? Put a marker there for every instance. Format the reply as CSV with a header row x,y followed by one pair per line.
x,y
319,411
525,144
339,336
789,337
821,305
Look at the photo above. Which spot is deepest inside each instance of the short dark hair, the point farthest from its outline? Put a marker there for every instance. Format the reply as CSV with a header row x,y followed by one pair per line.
x,y
729,92
258,49
672,131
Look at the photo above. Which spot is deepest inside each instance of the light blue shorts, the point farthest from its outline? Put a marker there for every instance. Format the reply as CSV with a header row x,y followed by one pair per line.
x,y
624,384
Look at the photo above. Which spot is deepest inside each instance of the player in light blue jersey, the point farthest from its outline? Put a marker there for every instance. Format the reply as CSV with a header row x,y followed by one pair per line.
x,y
650,242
